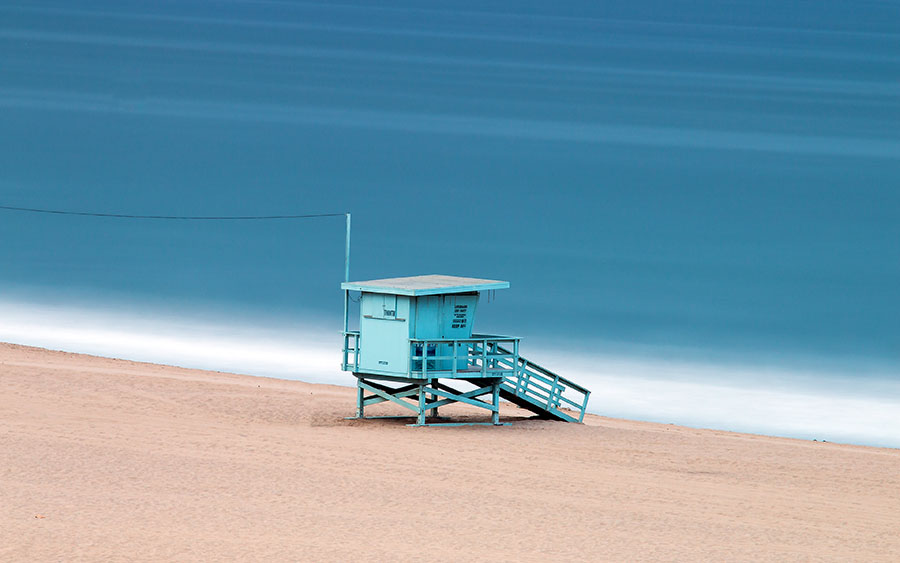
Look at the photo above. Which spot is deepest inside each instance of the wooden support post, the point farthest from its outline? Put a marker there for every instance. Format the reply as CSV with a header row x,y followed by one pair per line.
x,y
584,405
434,398
360,400
495,416
515,373
421,420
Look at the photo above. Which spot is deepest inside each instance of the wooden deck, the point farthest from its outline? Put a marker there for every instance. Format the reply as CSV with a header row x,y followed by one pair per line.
x,y
488,365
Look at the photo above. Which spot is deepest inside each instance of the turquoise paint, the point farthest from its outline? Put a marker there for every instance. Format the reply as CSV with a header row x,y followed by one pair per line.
x,y
386,396
390,321
468,398
384,329
419,339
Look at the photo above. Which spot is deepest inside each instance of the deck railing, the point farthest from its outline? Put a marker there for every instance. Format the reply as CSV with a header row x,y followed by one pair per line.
x,y
479,356
351,351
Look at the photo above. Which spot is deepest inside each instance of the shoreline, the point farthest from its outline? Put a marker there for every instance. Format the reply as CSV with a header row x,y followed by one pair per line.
x,y
508,406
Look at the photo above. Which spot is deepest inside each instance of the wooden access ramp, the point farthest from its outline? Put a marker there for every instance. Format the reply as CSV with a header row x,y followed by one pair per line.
x,y
541,391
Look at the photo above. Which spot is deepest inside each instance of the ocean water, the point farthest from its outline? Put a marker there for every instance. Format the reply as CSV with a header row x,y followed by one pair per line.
x,y
697,204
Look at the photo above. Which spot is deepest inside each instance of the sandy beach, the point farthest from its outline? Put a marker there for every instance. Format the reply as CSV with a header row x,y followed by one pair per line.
x,y
104,459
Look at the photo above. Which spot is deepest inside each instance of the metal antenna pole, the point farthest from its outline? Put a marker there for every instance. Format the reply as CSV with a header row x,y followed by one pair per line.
x,y
347,252
347,278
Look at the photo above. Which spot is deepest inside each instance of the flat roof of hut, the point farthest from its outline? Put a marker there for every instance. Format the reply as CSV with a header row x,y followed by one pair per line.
x,y
430,284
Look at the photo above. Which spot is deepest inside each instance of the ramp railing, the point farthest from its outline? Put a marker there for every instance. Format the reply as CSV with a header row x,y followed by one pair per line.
x,y
544,388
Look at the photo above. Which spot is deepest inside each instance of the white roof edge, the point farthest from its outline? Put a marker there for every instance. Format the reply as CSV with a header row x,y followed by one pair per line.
x,y
425,285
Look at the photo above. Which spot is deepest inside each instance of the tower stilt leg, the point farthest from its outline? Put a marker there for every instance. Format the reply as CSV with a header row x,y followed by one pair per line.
x,y
434,411
421,404
495,416
360,402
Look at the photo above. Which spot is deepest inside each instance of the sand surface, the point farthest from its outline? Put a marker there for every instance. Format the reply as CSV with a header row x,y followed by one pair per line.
x,y
106,459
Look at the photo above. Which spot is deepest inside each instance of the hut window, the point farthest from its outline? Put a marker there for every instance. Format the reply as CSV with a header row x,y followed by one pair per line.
x,y
389,307
384,307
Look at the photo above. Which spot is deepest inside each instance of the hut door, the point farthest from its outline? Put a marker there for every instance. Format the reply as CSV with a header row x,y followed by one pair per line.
x,y
384,334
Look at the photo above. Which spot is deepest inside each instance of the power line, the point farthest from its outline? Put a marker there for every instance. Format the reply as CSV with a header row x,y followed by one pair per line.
x,y
173,217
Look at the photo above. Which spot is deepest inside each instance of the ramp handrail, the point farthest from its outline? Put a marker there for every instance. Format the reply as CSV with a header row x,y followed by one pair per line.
x,y
542,386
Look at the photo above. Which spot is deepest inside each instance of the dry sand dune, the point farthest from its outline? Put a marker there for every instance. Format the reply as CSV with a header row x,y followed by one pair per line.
x,y
106,459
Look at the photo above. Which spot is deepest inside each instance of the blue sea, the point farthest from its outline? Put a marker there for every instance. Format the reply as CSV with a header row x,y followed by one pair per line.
x,y
697,204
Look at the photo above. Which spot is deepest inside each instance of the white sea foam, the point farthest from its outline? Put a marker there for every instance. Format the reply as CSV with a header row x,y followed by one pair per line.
x,y
195,339
778,401
794,402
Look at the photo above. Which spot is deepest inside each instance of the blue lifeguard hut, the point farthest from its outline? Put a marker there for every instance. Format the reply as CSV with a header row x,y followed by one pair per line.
x,y
415,344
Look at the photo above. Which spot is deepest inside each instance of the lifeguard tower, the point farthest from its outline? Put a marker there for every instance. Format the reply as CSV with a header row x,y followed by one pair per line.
x,y
415,338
